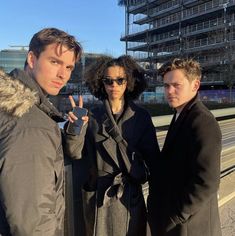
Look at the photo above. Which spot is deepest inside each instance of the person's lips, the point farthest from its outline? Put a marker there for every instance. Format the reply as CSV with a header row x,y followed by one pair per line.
x,y
57,84
114,91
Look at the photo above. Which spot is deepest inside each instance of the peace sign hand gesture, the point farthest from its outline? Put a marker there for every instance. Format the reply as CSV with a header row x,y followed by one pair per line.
x,y
78,117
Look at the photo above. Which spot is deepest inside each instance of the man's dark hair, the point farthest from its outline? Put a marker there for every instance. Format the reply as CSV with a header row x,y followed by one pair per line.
x,y
49,36
135,76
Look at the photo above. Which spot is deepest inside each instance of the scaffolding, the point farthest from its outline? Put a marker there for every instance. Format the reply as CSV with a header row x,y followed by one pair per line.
x,y
158,30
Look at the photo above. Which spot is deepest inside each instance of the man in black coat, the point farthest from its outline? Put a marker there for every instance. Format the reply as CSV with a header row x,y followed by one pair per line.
x,y
183,190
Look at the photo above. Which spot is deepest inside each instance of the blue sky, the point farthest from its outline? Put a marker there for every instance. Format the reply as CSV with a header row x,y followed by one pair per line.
x,y
98,25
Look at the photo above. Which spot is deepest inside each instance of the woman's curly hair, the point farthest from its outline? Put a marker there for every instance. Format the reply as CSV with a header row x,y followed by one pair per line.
x,y
135,76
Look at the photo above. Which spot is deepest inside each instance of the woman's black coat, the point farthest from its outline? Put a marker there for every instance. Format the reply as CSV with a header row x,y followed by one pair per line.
x,y
113,205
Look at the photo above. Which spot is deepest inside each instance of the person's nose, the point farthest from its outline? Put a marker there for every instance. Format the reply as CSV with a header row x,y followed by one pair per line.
x,y
62,73
114,84
170,89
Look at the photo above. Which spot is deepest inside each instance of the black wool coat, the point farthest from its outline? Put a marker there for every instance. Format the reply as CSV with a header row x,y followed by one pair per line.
x,y
113,205
183,191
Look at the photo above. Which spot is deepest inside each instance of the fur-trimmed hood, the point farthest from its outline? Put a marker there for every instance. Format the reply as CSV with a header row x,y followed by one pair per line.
x,y
15,97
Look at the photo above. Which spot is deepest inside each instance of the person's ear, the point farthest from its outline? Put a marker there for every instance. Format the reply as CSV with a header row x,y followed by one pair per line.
x,y
31,59
196,85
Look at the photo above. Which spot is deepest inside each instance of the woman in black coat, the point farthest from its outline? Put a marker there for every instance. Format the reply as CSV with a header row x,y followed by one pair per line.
x,y
121,144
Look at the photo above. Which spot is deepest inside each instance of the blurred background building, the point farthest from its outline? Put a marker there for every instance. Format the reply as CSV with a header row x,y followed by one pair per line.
x,y
13,58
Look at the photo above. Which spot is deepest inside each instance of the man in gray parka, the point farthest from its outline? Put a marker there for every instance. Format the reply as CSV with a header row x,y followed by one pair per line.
x,y
31,155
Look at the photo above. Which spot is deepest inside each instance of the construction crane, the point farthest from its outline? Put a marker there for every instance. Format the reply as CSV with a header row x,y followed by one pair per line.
x,y
22,47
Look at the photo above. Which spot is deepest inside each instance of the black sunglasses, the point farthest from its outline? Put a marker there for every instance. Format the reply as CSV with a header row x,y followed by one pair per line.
x,y
108,81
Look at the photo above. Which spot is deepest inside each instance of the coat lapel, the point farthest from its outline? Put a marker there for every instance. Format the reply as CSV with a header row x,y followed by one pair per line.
x,y
175,126
170,133
106,140
125,124
173,130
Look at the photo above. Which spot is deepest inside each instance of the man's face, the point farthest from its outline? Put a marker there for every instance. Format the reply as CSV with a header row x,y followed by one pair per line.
x,y
178,89
52,69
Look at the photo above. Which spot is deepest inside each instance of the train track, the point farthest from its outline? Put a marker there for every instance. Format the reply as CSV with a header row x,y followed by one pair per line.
x,y
228,144
227,171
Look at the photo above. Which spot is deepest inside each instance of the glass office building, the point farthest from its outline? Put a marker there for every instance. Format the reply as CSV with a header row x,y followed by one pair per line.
x,y
11,59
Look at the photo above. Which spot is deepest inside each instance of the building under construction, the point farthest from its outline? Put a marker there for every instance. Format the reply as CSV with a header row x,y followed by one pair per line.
x,y
157,30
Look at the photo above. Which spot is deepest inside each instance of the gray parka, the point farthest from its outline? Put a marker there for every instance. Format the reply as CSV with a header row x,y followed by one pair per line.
x,y
31,160
113,205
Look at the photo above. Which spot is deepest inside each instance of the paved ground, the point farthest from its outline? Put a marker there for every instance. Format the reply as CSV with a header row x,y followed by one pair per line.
x,y
227,205
227,215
